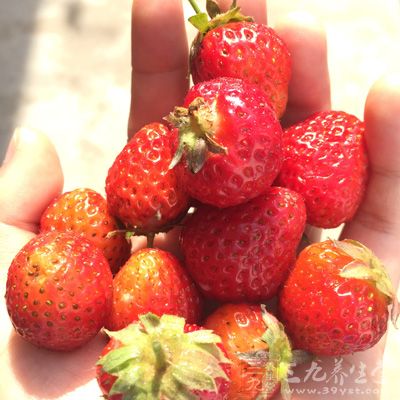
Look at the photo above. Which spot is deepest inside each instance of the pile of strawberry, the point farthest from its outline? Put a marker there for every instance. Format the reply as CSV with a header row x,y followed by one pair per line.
x,y
240,190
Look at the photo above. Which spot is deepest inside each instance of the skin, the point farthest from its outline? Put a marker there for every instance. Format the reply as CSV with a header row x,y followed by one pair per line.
x,y
23,196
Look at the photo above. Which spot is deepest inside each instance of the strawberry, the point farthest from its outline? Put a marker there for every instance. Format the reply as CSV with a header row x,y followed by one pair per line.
x,y
233,45
325,160
258,347
243,253
141,189
153,280
231,142
59,290
85,211
335,300
163,358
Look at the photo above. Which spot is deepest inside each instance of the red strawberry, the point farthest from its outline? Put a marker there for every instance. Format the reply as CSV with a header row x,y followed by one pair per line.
x,y
235,46
258,347
231,140
163,358
325,160
153,280
243,253
141,189
59,290
336,299
85,211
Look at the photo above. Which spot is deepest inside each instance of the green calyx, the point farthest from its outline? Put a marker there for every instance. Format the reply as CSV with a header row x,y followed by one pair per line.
x,y
367,266
196,125
157,359
205,22
277,359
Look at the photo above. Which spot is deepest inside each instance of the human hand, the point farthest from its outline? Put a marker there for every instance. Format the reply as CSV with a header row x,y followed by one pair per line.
x,y
38,374
26,188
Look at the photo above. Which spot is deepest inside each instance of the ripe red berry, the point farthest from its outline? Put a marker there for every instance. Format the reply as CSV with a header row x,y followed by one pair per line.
x,y
59,291
243,253
325,160
233,45
336,299
84,211
153,280
141,190
258,347
230,142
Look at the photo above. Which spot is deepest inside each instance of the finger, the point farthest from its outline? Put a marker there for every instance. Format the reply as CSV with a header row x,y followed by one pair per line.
x,y
165,241
159,61
377,222
309,88
254,8
30,178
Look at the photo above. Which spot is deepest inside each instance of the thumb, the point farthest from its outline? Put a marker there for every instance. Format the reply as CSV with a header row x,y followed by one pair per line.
x,y
30,178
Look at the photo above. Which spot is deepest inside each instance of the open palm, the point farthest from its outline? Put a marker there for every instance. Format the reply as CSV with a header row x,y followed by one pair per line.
x,y
160,66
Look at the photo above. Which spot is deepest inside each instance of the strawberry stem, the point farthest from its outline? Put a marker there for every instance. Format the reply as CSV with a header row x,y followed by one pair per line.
x,y
150,239
195,7
161,359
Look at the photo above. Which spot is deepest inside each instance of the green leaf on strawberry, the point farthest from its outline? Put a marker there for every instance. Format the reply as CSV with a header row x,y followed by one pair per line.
x,y
279,348
277,359
159,356
196,125
368,267
201,21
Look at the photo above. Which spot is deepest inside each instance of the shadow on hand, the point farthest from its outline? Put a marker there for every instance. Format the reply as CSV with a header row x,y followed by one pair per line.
x,y
46,374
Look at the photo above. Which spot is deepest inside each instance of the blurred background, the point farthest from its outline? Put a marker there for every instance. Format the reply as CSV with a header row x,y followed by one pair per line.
x,y
65,69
